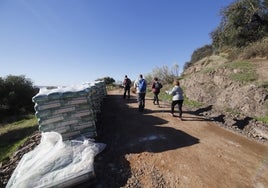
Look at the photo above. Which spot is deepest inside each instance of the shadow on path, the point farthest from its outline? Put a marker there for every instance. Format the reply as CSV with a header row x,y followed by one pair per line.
x,y
125,131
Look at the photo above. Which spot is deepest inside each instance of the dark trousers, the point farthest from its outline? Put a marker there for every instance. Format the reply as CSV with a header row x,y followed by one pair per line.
x,y
174,103
156,97
126,92
141,101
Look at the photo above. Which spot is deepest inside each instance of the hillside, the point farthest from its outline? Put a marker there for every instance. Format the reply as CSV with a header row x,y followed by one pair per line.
x,y
233,93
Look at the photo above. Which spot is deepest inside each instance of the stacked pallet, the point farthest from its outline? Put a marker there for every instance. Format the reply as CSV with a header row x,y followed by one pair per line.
x,y
70,111
66,118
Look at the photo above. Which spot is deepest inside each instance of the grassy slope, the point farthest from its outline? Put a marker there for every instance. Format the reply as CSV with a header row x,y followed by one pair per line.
x,y
15,134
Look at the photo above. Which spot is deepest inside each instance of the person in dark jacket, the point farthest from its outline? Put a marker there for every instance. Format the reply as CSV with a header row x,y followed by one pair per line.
x,y
126,84
156,86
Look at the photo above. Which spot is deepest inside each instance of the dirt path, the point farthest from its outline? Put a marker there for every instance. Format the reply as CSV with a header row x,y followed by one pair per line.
x,y
153,149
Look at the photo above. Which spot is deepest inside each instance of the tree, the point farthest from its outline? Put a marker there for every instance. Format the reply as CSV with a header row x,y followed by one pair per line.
x,y
164,73
176,69
243,22
107,80
16,95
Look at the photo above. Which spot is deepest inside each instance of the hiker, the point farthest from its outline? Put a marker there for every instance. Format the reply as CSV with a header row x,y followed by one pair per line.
x,y
156,86
140,84
177,98
126,85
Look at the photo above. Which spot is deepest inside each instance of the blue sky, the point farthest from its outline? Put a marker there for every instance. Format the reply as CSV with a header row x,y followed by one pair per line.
x,y
68,42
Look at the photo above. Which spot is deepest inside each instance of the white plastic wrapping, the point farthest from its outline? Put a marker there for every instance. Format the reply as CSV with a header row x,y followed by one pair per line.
x,y
54,163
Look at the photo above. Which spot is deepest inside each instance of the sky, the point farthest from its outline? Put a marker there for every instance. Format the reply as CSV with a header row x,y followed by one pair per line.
x,y
70,42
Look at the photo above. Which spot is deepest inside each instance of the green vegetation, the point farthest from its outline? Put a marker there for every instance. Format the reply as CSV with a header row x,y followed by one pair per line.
x,y
243,22
107,80
165,74
8,149
263,119
199,54
244,65
208,70
15,134
232,111
245,71
29,121
191,103
265,84
187,102
16,94
242,32
166,97
256,49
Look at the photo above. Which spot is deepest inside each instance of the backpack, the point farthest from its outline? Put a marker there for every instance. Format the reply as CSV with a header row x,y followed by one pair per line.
x,y
127,82
142,85
157,85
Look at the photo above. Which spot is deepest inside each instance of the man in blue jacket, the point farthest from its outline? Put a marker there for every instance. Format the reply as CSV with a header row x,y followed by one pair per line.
x,y
140,84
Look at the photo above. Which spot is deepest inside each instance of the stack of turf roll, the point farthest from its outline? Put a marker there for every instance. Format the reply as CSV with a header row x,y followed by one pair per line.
x,y
70,111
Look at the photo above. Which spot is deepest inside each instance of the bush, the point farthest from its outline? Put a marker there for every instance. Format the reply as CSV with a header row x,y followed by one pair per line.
x,y
202,52
256,49
233,53
265,84
242,23
16,96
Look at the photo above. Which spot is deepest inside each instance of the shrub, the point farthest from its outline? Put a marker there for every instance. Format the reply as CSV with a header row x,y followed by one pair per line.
x,y
202,52
16,95
265,85
256,49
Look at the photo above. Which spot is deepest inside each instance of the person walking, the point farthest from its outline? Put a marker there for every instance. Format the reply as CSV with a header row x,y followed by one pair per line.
x,y
156,86
126,84
140,84
177,97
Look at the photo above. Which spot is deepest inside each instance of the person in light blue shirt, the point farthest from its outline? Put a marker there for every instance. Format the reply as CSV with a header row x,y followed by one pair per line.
x,y
140,84
177,97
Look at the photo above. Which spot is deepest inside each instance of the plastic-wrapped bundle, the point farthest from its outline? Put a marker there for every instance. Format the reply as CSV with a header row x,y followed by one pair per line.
x,y
54,163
